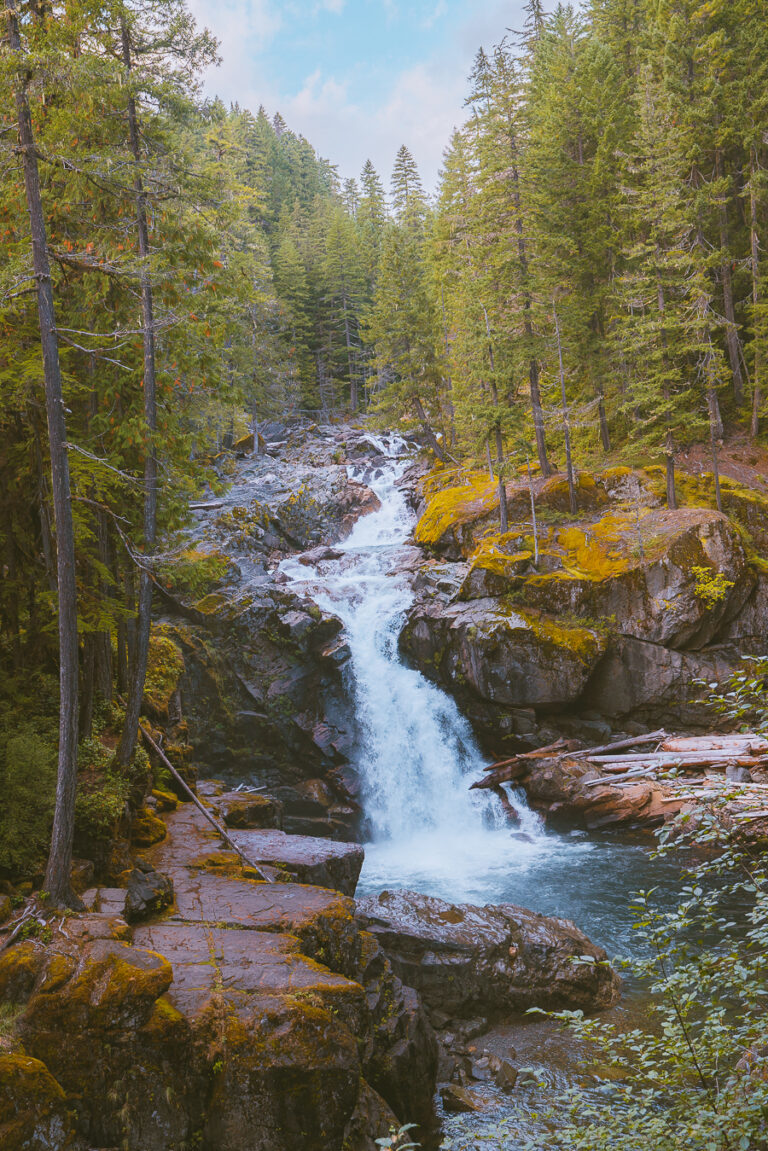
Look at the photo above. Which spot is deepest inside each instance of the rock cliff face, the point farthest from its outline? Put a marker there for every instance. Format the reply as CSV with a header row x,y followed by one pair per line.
x,y
624,607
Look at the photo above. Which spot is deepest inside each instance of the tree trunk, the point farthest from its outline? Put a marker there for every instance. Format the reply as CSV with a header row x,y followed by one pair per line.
x,y
566,419
354,400
429,435
757,368
533,370
731,331
144,615
58,873
669,455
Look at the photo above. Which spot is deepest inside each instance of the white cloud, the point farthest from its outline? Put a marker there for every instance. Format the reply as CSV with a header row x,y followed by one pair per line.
x,y
420,105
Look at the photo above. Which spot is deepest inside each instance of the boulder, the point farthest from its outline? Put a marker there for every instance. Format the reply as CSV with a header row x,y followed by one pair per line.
x,y
148,892
496,959
655,594
491,651
249,809
34,1114
317,861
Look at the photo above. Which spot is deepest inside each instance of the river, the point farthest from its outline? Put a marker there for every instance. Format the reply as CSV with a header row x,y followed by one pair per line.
x,y
425,830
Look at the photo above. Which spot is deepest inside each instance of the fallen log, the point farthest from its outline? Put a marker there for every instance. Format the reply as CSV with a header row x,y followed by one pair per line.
x,y
693,758
155,747
621,744
752,742
210,507
505,773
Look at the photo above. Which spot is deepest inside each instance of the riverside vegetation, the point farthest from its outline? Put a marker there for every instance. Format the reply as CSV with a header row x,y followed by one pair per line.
x,y
572,333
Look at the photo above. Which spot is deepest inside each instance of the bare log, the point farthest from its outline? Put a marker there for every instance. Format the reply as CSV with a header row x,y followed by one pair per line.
x,y
750,742
620,744
183,783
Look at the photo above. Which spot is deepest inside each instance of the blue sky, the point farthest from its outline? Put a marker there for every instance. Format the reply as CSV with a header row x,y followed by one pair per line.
x,y
358,78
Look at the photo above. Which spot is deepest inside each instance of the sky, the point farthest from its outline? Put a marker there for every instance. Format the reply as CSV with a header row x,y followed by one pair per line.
x,y
358,78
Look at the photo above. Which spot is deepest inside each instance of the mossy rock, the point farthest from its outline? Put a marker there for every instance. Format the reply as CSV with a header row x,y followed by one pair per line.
x,y
165,667
166,800
555,494
147,829
33,1108
453,507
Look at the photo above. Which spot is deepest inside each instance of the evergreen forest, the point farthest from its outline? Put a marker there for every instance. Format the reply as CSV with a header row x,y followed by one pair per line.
x,y
586,287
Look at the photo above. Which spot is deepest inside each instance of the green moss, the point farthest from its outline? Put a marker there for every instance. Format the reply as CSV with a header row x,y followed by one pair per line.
x,y
165,666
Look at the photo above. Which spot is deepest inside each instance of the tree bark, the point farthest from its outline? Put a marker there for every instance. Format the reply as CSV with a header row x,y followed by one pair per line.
x,y
144,615
533,369
58,873
757,369
429,435
731,331
566,419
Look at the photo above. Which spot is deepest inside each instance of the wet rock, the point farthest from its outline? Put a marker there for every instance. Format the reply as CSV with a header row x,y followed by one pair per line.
x,y
458,1100
148,893
505,1075
496,958
319,555
246,809
321,862
254,1016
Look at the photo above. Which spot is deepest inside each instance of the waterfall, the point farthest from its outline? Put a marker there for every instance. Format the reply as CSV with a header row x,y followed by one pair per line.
x,y
416,753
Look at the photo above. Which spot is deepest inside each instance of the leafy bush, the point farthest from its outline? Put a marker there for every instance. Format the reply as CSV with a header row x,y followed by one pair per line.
x,y
28,761
696,1076
741,699
193,572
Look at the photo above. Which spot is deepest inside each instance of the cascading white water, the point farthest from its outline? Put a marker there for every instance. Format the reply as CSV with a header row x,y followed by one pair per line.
x,y
417,754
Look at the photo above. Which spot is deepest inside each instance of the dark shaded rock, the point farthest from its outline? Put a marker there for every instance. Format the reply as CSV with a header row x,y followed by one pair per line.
x,y
322,862
246,809
148,893
642,678
497,958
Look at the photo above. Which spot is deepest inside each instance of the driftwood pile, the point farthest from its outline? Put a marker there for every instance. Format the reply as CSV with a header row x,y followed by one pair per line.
x,y
688,766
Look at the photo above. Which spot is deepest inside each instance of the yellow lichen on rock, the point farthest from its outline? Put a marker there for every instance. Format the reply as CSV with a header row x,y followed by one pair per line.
x,y
586,644
475,497
33,1108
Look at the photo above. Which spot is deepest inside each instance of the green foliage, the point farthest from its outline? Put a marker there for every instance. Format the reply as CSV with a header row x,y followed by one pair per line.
x,y
741,699
193,572
28,755
398,1140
